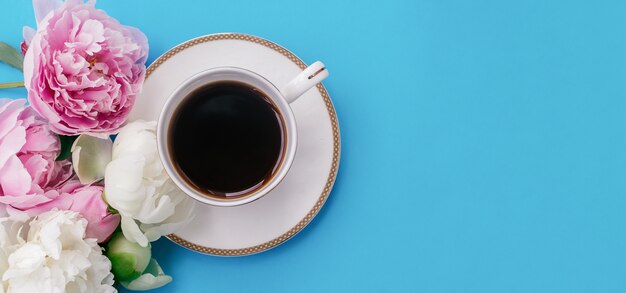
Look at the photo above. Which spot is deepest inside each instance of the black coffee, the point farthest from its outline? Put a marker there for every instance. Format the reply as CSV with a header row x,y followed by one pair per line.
x,y
226,138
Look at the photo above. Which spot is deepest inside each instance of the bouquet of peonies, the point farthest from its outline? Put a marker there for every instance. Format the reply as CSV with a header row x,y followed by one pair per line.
x,y
78,210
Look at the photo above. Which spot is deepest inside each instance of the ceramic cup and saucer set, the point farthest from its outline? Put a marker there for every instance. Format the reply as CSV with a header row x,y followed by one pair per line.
x,y
248,130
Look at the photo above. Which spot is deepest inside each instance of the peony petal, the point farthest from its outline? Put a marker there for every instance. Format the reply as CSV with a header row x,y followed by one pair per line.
x,y
9,112
183,214
27,201
30,62
90,204
123,183
28,33
151,214
91,33
12,143
35,165
60,173
40,139
43,7
132,232
24,261
14,178
142,41
41,107
153,278
136,137
90,156
102,229
59,202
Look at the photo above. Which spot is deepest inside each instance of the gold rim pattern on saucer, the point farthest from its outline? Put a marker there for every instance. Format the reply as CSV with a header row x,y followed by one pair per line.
x,y
330,181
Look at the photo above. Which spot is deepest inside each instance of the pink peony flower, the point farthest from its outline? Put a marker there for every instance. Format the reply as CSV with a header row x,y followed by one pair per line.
x,y
29,173
82,68
86,200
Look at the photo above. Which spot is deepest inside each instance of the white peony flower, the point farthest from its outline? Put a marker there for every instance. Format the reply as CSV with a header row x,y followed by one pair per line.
x,y
49,254
137,185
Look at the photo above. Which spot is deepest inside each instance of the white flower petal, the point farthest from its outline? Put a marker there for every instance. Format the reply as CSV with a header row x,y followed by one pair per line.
x,y
156,212
183,214
152,278
123,183
25,260
99,274
57,230
135,137
132,232
90,155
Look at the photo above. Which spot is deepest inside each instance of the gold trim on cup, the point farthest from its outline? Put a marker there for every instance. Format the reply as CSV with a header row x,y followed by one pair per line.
x,y
330,181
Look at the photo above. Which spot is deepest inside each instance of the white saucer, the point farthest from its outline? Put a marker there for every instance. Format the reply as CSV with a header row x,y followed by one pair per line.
x,y
279,215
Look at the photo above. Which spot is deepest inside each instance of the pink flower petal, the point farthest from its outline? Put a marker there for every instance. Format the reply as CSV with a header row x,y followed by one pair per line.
x,y
43,7
14,178
9,112
27,33
36,166
101,223
40,139
24,201
11,143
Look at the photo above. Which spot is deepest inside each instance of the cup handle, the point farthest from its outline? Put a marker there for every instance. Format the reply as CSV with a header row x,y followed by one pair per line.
x,y
307,79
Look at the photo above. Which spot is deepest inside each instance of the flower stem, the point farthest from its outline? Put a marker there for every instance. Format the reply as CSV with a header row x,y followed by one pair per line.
x,y
8,85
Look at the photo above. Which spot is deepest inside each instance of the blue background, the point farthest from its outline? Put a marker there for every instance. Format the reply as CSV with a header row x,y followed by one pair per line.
x,y
483,143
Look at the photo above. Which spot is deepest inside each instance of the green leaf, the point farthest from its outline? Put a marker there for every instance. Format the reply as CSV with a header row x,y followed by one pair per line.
x,y
9,85
11,56
66,147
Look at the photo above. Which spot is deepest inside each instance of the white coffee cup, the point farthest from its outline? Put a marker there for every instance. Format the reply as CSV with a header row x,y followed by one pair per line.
x,y
304,81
